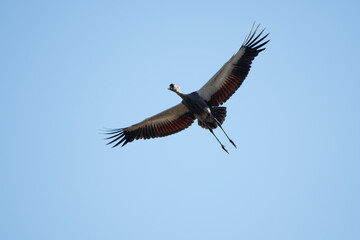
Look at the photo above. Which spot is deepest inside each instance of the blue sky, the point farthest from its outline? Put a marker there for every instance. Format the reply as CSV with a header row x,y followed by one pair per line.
x,y
72,68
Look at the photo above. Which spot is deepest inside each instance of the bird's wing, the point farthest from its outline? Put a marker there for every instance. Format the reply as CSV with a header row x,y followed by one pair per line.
x,y
165,123
229,78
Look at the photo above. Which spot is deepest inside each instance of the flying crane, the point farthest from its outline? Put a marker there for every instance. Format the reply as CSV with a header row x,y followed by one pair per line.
x,y
203,105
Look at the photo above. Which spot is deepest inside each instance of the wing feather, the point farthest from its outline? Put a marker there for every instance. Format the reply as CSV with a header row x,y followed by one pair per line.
x,y
230,77
168,122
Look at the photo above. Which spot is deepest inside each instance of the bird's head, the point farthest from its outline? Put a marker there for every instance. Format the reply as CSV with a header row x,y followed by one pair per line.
x,y
174,88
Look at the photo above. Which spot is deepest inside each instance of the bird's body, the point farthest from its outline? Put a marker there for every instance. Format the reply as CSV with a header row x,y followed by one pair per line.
x,y
204,113
196,105
203,104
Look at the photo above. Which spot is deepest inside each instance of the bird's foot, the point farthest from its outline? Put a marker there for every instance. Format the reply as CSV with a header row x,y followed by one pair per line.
x,y
232,143
223,147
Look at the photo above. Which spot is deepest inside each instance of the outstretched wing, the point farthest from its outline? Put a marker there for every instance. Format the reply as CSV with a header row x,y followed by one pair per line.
x,y
165,123
229,78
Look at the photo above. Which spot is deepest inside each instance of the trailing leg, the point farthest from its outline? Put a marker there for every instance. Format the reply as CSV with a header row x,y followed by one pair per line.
x,y
223,146
219,124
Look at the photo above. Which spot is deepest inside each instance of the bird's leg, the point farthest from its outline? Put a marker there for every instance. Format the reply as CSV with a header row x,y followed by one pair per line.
x,y
218,123
223,147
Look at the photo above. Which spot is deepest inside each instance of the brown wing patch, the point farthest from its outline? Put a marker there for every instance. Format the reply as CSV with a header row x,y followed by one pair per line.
x,y
240,69
151,130
230,86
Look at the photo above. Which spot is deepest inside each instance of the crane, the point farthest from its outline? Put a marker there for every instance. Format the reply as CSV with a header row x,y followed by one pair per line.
x,y
204,104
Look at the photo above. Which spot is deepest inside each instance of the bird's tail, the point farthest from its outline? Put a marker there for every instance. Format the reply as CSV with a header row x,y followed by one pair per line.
x,y
219,113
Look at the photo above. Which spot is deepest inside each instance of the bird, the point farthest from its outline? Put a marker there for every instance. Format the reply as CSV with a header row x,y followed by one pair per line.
x,y
204,104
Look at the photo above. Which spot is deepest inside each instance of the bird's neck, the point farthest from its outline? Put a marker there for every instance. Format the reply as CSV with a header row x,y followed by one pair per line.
x,y
180,94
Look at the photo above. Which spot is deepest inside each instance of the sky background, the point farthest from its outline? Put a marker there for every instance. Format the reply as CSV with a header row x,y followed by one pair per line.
x,y
69,69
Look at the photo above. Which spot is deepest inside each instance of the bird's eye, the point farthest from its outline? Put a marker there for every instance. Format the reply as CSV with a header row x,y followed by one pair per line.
x,y
171,85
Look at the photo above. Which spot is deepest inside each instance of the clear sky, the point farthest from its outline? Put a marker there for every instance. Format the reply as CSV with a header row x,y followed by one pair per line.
x,y
69,69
